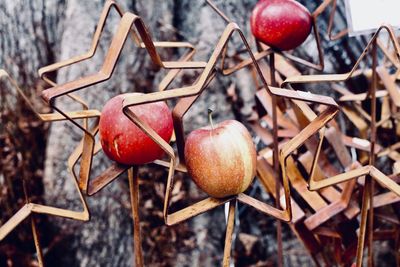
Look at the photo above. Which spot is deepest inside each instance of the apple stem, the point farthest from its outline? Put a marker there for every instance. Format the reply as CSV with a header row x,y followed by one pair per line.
x,y
210,111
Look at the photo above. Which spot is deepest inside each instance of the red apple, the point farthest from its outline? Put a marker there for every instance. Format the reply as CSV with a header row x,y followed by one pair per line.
x,y
281,24
123,142
221,160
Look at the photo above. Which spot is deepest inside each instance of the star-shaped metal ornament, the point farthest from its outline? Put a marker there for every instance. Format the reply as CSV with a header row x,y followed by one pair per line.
x,y
316,224
130,24
278,65
188,95
370,172
30,208
286,129
310,223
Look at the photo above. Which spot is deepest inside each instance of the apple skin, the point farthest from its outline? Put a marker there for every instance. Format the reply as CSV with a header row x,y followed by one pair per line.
x,y
222,160
281,24
122,141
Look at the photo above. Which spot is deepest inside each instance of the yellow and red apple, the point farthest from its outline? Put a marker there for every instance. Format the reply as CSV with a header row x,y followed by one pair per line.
x,y
221,160
123,142
281,24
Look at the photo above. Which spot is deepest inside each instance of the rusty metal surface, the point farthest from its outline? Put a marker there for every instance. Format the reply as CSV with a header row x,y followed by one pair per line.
x,y
369,171
188,95
129,25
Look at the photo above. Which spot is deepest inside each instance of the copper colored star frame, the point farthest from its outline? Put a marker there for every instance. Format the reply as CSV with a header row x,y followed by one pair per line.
x,y
327,204
370,171
142,39
263,52
30,208
129,24
303,114
189,95
306,115
304,225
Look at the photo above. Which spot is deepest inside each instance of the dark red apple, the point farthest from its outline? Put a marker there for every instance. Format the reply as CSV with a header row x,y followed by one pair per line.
x,y
123,142
281,24
221,160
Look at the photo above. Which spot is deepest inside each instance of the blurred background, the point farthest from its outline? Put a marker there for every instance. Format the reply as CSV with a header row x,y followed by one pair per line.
x,y
36,33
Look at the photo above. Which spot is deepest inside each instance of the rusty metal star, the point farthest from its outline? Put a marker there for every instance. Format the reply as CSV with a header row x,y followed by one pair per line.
x,y
188,95
130,24
369,170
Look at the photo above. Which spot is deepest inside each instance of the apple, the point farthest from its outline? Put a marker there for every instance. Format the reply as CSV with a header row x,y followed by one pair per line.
x,y
281,24
221,160
123,142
